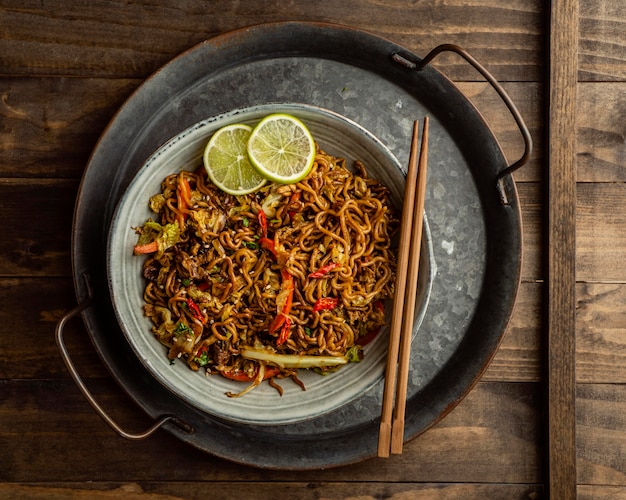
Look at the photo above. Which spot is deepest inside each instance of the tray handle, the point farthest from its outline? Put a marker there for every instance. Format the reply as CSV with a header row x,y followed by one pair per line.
x,y
89,396
448,47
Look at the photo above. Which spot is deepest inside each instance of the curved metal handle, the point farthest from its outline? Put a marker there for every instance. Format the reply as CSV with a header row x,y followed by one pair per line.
x,y
90,398
528,143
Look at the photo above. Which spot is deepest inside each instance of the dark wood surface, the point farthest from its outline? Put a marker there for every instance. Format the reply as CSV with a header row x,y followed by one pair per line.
x,y
66,67
560,344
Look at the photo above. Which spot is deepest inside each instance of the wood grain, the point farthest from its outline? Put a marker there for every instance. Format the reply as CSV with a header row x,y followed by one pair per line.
x,y
601,163
499,446
64,71
21,312
600,236
601,333
119,39
49,127
519,357
295,490
601,420
41,213
600,492
44,249
560,249
602,47
601,139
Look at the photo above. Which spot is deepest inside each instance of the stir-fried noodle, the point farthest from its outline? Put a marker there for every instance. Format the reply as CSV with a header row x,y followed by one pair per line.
x,y
254,287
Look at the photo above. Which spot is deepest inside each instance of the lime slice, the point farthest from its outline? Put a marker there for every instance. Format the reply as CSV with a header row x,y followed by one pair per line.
x,y
282,148
226,161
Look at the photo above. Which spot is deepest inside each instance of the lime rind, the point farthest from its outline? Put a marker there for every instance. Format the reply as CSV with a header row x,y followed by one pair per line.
x,y
281,148
227,163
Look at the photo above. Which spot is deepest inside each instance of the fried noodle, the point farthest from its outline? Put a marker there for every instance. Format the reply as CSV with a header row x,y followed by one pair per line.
x,y
300,269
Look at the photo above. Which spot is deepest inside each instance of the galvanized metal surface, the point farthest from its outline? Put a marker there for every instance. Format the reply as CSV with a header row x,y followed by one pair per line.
x,y
476,237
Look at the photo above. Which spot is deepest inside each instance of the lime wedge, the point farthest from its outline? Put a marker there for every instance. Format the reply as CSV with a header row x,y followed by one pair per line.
x,y
226,161
281,148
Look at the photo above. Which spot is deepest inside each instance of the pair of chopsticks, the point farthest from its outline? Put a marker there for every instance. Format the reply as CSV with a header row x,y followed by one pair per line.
x,y
391,436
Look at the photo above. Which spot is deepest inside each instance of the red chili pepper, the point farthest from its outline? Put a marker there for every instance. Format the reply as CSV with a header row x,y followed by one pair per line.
x,y
183,198
368,337
324,270
146,249
263,223
240,376
284,331
269,245
203,286
194,309
325,304
185,191
284,300
294,198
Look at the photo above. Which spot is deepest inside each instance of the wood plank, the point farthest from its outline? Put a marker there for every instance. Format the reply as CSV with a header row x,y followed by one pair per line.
x,y
40,215
517,360
533,230
520,356
561,210
48,431
51,125
601,434
601,333
44,248
118,39
43,137
600,236
296,490
36,305
601,155
602,47
600,492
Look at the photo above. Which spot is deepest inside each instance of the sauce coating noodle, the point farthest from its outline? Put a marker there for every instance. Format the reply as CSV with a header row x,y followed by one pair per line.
x,y
300,269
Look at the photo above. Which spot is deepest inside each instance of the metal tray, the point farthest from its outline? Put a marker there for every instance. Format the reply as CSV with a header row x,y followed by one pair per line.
x,y
471,204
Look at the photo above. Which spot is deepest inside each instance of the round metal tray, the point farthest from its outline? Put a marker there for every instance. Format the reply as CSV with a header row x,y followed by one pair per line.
x,y
471,204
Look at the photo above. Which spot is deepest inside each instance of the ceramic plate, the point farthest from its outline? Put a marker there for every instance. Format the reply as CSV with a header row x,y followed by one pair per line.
x,y
335,135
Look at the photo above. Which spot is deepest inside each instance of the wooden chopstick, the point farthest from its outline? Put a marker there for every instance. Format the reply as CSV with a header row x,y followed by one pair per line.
x,y
384,437
397,429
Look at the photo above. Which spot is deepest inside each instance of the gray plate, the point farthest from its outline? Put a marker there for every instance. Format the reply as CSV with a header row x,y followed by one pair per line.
x,y
476,237
336,136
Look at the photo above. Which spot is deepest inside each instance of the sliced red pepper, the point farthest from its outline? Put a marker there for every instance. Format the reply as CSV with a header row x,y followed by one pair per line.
x,y
323,271
269,245
284,331
284,300
194,309
183,198
240,376
368,337
185,191
325,304
203,286
294,198
263,223
371,335
146,249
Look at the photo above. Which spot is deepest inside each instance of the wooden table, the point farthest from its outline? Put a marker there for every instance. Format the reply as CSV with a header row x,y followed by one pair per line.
x,y
65,67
